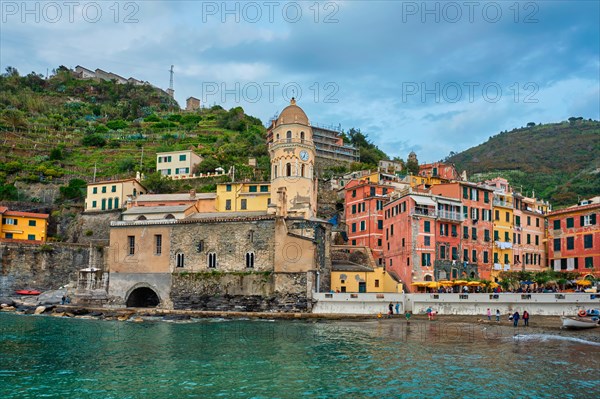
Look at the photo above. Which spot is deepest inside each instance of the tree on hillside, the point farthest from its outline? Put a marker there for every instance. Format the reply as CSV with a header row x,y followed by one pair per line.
x,y
159,184
369,152
412,167
14,118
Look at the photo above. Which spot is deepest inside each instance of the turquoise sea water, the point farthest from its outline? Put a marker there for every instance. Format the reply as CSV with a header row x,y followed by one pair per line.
x,y
47,357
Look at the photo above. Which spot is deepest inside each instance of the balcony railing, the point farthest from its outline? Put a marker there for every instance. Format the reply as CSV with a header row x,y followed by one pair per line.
x,y
430,212
501,203
454,216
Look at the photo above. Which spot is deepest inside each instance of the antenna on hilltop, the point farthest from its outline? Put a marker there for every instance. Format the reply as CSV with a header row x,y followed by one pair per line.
x,y
170,90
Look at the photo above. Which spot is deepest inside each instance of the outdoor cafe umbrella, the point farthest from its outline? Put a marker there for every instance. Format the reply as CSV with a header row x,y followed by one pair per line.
x,y
460,282
446,283
474,284
583,282
420,283
433,284
494,285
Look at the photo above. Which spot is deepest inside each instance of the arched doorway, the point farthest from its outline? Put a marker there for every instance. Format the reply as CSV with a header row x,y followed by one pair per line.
x,y
143,297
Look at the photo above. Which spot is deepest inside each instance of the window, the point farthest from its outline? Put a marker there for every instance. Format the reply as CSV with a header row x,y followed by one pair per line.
x,y
158,244
103,189
302,136
31,237
250,260
228,205
289,134
253,189
380,224
588,241
288,169
442,252
496,260
557,244
588,220
403,243
113,189
465,255
518,220
589,262
528,238
264,189
557,225
496,235
182,157
353,193
425,259
376,283
486,235
465,232
110,203
570,223
507,216
496,215
379,242
372,191
8,235
474,256
228,187
244,204
354,227
427,226
485,257
570,242
32,223
506,260
103,203
131,245
465,211
537,222
427,241
454,231
353,209
528,220
473,233
454,253
465,192
94,204
212,260
180,259
353,242
506,236
95,190
486,197
363,225
116,202
391,229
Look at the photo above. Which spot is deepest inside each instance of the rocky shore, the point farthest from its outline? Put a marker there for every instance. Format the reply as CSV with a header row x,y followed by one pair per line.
x,y
537,324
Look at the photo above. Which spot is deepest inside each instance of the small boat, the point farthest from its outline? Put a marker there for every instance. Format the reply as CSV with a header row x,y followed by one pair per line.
x,y
579,322
27,292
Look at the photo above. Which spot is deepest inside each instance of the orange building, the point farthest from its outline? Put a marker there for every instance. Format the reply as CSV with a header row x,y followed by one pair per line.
x,y
364,201
23,225
574,238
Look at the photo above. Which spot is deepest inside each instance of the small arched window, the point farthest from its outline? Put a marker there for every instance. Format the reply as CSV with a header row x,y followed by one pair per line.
x,y
180,260
277,136
134,192
212,260
169,216
302,170
116,202
289,134
141,217
274,171
288,169
302,136
250,260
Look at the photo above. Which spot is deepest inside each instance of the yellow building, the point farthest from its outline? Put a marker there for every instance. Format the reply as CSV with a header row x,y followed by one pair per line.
x,y
23,225
503,220
359,278
177,164
243,196
108,195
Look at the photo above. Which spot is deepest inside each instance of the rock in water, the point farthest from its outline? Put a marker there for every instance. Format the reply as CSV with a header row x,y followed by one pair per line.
x,y
40,310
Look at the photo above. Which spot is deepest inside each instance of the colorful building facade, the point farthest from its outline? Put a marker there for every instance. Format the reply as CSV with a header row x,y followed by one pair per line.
x,y
529,236
112,194
574,238
177,164
25,226
243,196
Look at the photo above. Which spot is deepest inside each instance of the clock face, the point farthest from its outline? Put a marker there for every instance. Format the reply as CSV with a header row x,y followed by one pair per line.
x,y
304,155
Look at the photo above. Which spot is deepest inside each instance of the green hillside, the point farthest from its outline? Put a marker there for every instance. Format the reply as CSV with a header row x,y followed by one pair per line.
x,y
560,161
64,128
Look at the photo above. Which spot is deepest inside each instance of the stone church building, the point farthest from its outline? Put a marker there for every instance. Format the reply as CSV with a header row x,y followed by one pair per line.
x,y
269,260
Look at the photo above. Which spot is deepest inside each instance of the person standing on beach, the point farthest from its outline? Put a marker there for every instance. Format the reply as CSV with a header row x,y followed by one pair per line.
x,y
497,314
489,314
516,318
526,318
407,315
391,310
397,307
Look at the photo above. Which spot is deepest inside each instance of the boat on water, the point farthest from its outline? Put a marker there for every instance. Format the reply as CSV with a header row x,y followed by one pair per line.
x,y
579,322
28,292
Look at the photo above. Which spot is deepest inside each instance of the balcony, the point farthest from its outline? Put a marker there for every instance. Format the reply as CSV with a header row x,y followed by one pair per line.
x,y
503,204
452,216
429,212
503,245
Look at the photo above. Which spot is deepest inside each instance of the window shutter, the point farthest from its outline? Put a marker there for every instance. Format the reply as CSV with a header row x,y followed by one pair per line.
x,y
593,218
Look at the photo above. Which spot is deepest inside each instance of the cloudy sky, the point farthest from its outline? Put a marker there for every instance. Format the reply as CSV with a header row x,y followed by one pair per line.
x,y
432,77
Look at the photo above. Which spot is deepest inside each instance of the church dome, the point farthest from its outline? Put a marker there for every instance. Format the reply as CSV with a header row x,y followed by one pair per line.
x,y
292,114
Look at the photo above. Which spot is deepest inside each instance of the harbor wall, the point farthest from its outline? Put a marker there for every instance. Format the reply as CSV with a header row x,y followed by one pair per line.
x,y
547,304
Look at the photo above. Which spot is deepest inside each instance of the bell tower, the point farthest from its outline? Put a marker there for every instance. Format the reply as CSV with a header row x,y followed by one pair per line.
x,y
292,153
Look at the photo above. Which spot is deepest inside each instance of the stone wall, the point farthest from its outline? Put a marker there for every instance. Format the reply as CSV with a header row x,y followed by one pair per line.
x,y
86,227
44,267
241,291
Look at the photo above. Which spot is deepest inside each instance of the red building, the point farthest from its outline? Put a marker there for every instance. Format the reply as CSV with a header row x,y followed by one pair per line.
x,y
574,238
364,202
439,170
475,252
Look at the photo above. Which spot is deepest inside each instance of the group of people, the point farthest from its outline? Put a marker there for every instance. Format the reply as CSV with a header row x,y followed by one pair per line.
x,y
515,317
65,300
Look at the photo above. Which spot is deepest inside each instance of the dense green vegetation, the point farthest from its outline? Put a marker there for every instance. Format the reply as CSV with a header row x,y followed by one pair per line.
x,y
559,161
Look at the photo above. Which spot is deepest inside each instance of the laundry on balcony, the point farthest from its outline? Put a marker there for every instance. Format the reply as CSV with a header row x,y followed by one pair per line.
x,y
504,245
